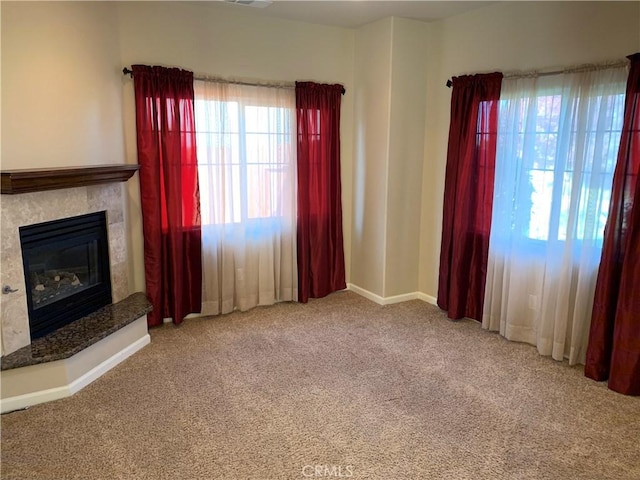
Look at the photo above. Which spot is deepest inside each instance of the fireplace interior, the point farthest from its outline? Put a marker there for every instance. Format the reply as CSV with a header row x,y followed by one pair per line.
x,y
67,274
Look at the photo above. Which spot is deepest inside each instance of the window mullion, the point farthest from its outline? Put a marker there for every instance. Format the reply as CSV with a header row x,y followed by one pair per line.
x,y
242,141
560,167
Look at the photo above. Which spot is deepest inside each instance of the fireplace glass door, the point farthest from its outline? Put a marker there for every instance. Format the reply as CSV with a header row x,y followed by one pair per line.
x,y
66,265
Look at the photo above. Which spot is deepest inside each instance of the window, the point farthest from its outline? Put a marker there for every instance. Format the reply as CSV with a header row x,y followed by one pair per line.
x,y
558,141
246,156
566,146
247,176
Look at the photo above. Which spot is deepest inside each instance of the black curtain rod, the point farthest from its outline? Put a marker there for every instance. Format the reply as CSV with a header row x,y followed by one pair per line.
x,y
127,71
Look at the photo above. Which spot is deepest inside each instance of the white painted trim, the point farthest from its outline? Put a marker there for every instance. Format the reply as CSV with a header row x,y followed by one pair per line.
x,y
365,293
34,398
99,370
405,297
387,160
393,299
428,298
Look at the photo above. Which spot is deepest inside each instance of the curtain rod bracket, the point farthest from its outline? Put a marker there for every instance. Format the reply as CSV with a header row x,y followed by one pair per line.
x,y
126,71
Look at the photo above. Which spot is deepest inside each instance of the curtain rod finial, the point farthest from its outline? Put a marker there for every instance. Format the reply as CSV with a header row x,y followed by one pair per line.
x,y
449,83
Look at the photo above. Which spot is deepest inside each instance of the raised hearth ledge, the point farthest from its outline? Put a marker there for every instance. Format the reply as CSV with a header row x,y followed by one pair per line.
x,y
40,179
60,364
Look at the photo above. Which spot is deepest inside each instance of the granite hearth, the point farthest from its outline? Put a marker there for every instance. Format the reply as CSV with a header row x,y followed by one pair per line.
x,y
80,334
61,363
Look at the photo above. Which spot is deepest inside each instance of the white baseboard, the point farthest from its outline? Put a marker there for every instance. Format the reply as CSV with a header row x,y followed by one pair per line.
x,y
34,398
393,299
96,372
27,400
428,298
365,293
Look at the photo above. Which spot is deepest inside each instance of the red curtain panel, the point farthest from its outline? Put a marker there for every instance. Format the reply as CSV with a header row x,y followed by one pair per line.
x,y
613,352
319,236
170,197
468,194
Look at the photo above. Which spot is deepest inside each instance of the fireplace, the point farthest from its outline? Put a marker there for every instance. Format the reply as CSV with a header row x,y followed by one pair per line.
x,y
66,266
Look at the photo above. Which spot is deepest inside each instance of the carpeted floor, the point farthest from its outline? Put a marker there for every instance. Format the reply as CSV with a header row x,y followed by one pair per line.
x,y
338,388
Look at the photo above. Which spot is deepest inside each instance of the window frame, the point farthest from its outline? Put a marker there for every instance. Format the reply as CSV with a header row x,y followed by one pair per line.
x,y
244,160
560,175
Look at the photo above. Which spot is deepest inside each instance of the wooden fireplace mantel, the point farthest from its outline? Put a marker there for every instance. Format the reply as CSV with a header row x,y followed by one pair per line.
x,y
39,179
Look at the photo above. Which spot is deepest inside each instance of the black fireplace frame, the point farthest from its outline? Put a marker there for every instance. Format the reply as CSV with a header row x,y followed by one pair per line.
x,y
67,232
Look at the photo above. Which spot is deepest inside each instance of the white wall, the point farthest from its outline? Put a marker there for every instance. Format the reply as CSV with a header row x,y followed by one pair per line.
x,y
61,93
507,37
371,148
390,86
406,153
229,41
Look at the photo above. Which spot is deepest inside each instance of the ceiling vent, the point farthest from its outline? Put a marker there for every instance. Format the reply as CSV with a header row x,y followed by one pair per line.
x,y
251,3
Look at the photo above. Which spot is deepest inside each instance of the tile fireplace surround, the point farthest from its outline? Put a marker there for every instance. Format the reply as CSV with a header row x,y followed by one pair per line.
x,y
41,206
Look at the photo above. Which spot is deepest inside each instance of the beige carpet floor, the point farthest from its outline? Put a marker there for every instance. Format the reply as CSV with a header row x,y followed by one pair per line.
x,y
338,388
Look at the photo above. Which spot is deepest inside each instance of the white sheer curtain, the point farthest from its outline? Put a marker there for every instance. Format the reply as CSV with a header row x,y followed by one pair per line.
x,y
247,173
558,139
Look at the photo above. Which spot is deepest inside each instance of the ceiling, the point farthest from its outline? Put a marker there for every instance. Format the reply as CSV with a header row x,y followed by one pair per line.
x,y
355,13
